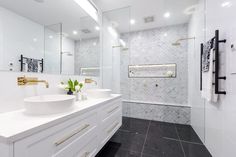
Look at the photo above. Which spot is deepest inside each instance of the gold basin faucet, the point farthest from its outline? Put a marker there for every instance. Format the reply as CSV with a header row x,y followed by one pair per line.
x,y
24,81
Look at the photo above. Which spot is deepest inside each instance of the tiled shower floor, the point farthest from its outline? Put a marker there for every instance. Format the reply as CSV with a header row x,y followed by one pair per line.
x,y
144,138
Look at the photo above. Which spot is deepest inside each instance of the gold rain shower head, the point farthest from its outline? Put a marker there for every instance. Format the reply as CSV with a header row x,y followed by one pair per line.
x,y
177,43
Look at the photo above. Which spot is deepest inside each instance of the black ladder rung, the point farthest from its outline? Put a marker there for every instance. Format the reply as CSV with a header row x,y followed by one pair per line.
x,y
222,78
221,92
222,41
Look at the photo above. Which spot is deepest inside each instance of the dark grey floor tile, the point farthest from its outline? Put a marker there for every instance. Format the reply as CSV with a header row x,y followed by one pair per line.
x,y
186,133
161,147
109,151
195,150
135,125
161,129
161,141
145,155
127,140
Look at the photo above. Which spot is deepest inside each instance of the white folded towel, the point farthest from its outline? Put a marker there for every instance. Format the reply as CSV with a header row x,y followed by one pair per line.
x,y
208,90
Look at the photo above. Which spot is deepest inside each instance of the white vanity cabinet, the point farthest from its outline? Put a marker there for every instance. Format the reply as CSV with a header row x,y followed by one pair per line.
x,y
80,136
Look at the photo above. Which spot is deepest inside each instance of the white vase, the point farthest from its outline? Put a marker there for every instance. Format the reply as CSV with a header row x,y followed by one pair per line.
x,y
77,96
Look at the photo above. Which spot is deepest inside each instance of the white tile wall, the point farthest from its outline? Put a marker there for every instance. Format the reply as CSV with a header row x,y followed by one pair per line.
x,y
220,118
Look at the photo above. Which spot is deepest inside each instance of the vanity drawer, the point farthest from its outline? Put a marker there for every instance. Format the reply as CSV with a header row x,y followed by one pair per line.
x,y
88,149
109,109
110,127
55,141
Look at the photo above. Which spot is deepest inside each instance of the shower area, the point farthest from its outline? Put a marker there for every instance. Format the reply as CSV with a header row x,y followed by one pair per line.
x,y
152,64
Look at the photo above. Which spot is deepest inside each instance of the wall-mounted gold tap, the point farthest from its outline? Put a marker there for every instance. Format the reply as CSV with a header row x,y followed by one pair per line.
x,y
23,81
88,80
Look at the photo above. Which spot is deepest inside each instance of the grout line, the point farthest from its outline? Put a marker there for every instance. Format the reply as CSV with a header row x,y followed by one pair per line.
x,y
180,141
192,142
145,138
173,139
124,130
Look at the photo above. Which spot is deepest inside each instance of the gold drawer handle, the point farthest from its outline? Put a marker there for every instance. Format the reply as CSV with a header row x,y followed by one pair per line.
x,y
113,109
110,130
71,135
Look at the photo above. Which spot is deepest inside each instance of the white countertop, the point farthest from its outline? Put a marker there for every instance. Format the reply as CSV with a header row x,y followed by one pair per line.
x,y
17,125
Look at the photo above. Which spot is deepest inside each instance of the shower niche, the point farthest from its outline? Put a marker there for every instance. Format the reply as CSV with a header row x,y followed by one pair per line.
x,y
153,71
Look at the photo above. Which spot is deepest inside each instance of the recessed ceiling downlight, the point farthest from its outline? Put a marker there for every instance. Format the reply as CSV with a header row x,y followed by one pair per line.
x,y
97,28
132,21
39,1
75,32
167,15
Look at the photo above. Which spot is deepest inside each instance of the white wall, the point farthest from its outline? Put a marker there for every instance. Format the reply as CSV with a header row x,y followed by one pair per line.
x,y
220,118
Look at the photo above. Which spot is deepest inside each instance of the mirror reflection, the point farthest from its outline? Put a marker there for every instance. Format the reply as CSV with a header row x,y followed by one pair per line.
x,y
53,37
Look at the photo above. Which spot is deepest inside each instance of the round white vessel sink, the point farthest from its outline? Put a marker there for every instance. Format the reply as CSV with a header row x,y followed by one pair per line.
x,y
98,93
48,104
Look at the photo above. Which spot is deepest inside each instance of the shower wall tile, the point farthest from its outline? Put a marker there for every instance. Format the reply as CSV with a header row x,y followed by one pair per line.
x,y
165,113
154,46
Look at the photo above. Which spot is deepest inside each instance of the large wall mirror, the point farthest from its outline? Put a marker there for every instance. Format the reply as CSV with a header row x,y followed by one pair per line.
x,y
52,37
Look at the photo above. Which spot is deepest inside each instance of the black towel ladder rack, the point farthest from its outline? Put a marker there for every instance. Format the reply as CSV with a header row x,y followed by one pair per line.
x,y
215,41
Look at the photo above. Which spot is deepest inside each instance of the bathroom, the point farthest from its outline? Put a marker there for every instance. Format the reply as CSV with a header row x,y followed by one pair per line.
x,y
128,78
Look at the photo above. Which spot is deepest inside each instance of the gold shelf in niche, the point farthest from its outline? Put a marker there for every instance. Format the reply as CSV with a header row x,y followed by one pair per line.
x,y
153,71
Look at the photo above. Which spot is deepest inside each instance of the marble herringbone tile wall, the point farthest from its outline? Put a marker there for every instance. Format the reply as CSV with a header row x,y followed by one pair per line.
x,y
157,112
155,47
168,101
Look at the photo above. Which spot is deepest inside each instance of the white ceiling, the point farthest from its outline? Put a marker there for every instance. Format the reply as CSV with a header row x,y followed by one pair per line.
x,y
73,17
51,12
140,9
